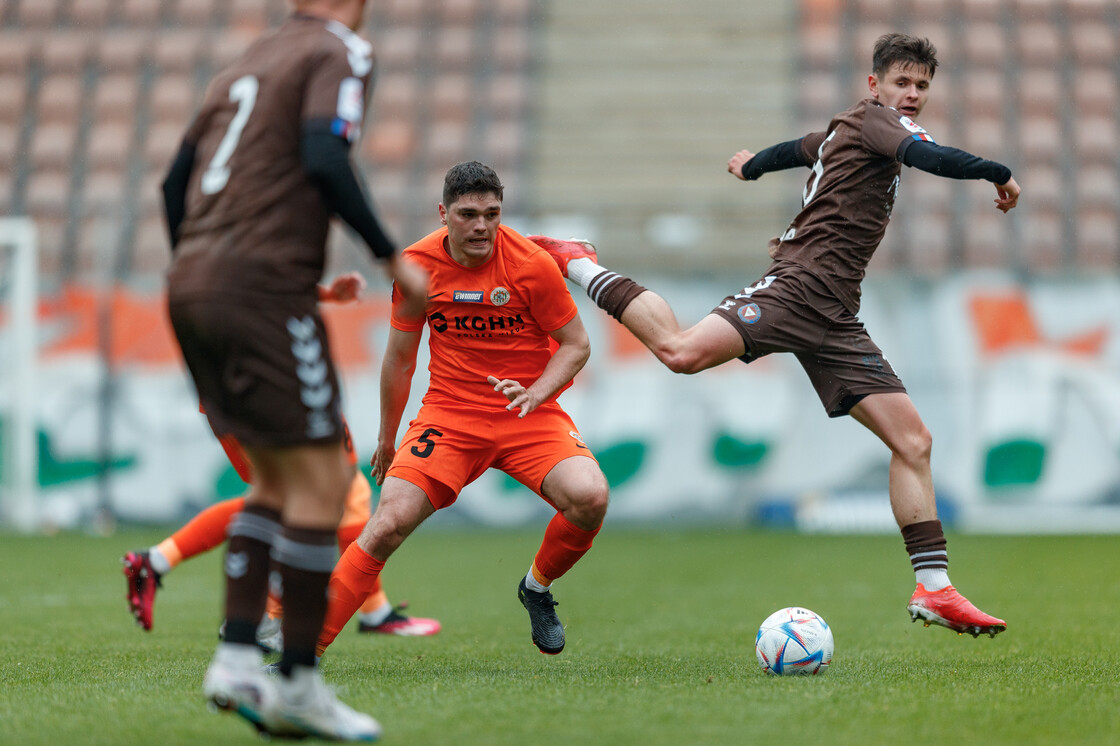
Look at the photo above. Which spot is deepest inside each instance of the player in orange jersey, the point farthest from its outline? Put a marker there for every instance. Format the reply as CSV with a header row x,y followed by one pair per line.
x,y
144,569
495,303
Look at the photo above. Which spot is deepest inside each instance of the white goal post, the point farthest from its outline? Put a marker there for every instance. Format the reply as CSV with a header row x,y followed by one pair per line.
x,y
19,269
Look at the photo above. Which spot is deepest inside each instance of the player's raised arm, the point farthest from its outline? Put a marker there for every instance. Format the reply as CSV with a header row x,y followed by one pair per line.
x,y
954,163
749,166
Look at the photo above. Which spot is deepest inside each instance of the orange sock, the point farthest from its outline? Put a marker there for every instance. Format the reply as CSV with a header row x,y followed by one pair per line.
x,y
377,597
564,543
352,581
201,533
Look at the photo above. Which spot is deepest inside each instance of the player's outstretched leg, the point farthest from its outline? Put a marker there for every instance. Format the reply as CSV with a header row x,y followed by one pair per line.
x,y
143,581
950,609
396,623
565,251
548,632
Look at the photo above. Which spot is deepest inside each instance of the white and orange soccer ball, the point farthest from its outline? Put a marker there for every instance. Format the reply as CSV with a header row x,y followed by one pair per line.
x,y
794,642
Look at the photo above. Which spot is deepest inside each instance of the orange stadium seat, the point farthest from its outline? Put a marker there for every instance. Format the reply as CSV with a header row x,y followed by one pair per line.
x,y
983,93
1095,91
452,95
1039,43
110,144
178,51
191,13
1089,10
821,45
104,189
65,51
391,142
115,97
1094,43
405,11
877,10
446,144
510,49
60,98
38,13
13,92
1040,138
398,49
985,45
140,12
1095,138
52,145
48,192
460,12
89,14
16,51
507,95
173,99
121,52
1040,90
513,11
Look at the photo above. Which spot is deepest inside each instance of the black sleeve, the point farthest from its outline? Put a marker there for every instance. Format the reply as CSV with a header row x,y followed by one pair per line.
x,y
951,162
775,158
326,158
175,190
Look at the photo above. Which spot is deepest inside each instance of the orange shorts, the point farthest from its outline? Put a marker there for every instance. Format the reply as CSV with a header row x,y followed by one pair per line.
x,y
448,447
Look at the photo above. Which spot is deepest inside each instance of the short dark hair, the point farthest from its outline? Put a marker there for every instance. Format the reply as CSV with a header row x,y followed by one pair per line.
x,y
891,49
470,177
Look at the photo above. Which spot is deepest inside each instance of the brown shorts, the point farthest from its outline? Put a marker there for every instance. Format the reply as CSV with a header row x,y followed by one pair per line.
x,y
790,310
263,370
447,447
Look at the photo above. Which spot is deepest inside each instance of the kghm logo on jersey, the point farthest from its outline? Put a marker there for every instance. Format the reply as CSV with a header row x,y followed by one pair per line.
x,y
499,296
467,296
750,313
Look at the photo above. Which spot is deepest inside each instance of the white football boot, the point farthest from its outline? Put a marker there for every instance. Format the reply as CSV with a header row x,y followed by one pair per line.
x,y
306,706
235,682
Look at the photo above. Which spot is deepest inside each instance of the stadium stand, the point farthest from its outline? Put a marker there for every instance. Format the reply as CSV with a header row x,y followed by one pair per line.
x,y
97,94
580,120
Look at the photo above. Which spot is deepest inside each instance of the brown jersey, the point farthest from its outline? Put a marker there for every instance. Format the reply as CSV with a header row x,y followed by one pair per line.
x,y
848,197
255,222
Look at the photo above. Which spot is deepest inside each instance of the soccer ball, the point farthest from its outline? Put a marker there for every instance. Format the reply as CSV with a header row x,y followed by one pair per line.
x,y
794,642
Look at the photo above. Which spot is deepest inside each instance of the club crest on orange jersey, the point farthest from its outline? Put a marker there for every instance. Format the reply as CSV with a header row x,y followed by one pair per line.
x,y
499,296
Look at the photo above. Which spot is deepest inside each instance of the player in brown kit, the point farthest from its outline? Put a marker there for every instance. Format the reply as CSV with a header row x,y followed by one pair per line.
x,y
807,301
260,172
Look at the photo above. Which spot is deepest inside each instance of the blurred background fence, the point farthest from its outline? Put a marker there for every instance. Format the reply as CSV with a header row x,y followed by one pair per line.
x,y
612,120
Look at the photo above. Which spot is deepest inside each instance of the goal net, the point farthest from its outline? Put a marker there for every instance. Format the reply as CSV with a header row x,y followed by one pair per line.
x,y
19,457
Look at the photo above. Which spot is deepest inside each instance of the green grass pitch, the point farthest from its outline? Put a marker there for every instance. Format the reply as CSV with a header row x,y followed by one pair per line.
x,y
660,644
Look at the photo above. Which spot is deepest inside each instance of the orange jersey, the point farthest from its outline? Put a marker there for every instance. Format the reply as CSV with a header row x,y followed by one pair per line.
x,y
489,320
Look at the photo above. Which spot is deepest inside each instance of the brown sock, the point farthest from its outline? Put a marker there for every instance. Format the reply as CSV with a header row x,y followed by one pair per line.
x,y
305,558
613,293
252,533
